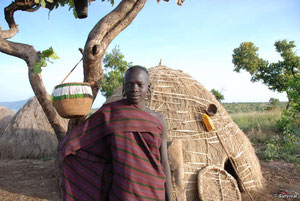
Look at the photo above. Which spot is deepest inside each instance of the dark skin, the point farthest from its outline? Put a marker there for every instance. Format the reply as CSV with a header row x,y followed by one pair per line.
x,y
136,86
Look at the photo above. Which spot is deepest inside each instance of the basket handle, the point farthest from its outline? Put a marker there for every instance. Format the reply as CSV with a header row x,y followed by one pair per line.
x,y
81,50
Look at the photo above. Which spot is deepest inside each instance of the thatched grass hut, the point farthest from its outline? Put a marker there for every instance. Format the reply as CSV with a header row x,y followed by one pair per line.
x,y
5,116
183,101
29,134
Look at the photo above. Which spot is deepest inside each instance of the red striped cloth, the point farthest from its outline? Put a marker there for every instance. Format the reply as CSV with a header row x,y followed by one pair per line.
x,y
114,155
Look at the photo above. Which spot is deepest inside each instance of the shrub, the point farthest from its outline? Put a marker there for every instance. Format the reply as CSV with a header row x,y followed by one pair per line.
x,y
286,144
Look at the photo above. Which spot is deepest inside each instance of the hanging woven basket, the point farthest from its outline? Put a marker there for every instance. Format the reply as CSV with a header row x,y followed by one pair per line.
x,y
73,99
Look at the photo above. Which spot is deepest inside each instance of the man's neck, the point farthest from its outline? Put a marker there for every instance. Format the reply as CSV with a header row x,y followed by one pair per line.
x,y
141,105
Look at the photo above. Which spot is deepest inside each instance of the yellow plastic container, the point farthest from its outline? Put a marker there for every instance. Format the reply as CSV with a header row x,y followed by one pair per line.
x,y
207,122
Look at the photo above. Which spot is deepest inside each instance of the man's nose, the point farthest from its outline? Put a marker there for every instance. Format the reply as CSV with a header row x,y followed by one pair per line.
x,y
134,87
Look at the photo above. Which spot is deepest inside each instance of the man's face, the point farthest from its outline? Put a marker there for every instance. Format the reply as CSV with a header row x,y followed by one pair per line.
x,y
136,86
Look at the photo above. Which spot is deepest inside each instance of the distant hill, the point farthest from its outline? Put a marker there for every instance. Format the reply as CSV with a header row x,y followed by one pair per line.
x,y
14,105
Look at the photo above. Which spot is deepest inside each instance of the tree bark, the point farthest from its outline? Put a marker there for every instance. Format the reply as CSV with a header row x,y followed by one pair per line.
x,y
102,35
30,56
96,45
98,40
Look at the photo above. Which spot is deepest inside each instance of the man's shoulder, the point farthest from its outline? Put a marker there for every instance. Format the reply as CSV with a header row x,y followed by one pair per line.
x,y
158,115
108,107
116,103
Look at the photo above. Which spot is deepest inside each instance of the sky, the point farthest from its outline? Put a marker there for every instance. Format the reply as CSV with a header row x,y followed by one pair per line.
x,y
197,37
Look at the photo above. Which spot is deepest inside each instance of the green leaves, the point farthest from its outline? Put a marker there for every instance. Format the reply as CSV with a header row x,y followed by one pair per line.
x,y
114,69
246,57
112,2
50,53
282,76
37,68
277,76
43,2
219,96
45,57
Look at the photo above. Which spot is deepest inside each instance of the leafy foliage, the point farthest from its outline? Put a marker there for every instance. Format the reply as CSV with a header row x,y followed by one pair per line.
x,y
219,96
45,57
114,69
62,3
43,2
276,76
273,104
283,76
285,147
274,137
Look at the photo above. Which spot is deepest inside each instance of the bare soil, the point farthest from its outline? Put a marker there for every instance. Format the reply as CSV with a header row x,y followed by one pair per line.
x,y
35,180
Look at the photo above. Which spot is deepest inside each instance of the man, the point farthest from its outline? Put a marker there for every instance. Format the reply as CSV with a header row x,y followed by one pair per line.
x,y
120,152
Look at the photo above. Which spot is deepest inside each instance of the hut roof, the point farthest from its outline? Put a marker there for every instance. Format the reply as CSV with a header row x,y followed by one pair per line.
x,y
5,116
29,134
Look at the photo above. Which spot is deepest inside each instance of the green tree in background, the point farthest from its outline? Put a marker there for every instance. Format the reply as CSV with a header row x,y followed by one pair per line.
x,y
219,96
114,68
281,76
274,102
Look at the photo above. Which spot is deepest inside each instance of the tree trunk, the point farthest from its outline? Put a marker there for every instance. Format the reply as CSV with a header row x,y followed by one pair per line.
x,y
289,100
102,35
96,45
98,40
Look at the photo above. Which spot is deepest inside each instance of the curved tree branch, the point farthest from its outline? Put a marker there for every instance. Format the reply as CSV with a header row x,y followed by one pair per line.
x,y
24,5
30,56
101,36
98,40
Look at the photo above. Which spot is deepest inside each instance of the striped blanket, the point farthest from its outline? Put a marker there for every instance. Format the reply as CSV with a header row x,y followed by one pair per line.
x,y
114,155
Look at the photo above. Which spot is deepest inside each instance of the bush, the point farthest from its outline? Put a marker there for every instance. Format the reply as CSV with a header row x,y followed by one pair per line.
x,y
275,134
284,147
289,122
286,144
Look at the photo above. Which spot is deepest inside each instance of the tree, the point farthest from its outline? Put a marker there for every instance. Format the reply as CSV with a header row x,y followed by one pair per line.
x,y
114,68
277,76
274,101
219,96
283,76
95,47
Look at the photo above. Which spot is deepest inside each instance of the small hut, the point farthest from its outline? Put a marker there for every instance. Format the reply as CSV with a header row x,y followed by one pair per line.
x,y
192,148
5,116
29,134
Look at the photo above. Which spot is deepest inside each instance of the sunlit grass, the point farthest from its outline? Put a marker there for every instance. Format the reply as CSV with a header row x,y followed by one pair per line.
x,y
259,121
262,130
260,127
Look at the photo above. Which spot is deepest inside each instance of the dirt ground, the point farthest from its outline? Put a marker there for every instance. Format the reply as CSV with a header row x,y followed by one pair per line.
x,y
34,180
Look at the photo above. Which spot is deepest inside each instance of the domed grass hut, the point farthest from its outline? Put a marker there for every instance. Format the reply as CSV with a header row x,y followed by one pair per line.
x,y
29,134
192,148
5,116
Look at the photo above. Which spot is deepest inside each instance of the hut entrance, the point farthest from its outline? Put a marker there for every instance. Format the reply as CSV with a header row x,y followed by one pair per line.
x,y
229,168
